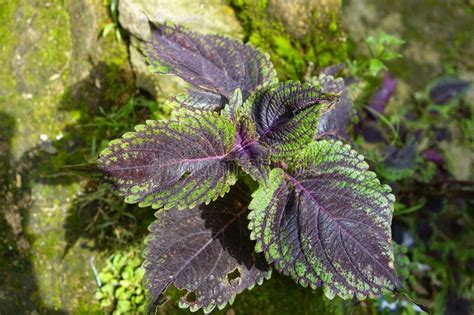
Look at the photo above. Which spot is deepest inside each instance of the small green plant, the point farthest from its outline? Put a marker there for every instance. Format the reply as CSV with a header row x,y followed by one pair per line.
x,y
120,284
382,48
114,26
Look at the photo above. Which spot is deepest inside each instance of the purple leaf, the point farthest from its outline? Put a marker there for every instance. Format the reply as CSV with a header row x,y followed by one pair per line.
x,y
433,155
214,65
333,70
445,90
379,101
178,163
334,120
199,99
249,153
371,132
399,162
286,115
205,250
442,134
326,221
252,155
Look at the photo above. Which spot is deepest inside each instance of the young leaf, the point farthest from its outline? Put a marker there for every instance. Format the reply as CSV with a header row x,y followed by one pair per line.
x,y
251,155
205,250
375,66
214,65
286,116
327,221
178,163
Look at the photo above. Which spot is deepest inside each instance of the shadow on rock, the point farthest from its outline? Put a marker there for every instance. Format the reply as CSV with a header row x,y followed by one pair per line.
x,y
107,106
19,289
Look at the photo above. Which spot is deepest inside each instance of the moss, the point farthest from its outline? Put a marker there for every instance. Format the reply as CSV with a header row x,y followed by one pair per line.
x,y
35,71
64,282
321,43
281,295
35,46
7,44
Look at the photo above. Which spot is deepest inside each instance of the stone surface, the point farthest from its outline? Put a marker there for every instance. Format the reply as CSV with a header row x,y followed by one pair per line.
x,y
132,17
36,49
432,47
54,70
303,16
207,16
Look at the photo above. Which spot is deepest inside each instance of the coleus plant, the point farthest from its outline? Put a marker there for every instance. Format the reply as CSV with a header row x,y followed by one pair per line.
x,y
247,175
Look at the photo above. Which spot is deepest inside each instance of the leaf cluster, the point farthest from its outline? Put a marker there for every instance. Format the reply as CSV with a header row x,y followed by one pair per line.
x,y
246,175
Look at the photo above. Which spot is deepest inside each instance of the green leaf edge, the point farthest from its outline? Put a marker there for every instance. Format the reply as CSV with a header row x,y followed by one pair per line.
x,y
264,186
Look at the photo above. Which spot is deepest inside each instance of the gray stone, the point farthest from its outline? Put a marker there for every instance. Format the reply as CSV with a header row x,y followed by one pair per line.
x,y
425,52
200,15
303,16
133,19
45,46
51,55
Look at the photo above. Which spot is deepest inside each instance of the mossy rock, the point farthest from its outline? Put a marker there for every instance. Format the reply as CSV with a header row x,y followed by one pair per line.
x,y
301,36
51,53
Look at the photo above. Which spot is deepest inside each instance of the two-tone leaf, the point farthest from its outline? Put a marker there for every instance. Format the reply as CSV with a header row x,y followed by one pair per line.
x,y
326,221
334,119
252,155
286,116
249,153
205,250
214,65
178,163
274,224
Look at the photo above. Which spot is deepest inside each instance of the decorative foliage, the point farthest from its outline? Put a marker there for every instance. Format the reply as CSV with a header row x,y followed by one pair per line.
x,y
309,221
319,216
334,119
205,250
176,163
214,65
286,116
399,162
446,89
